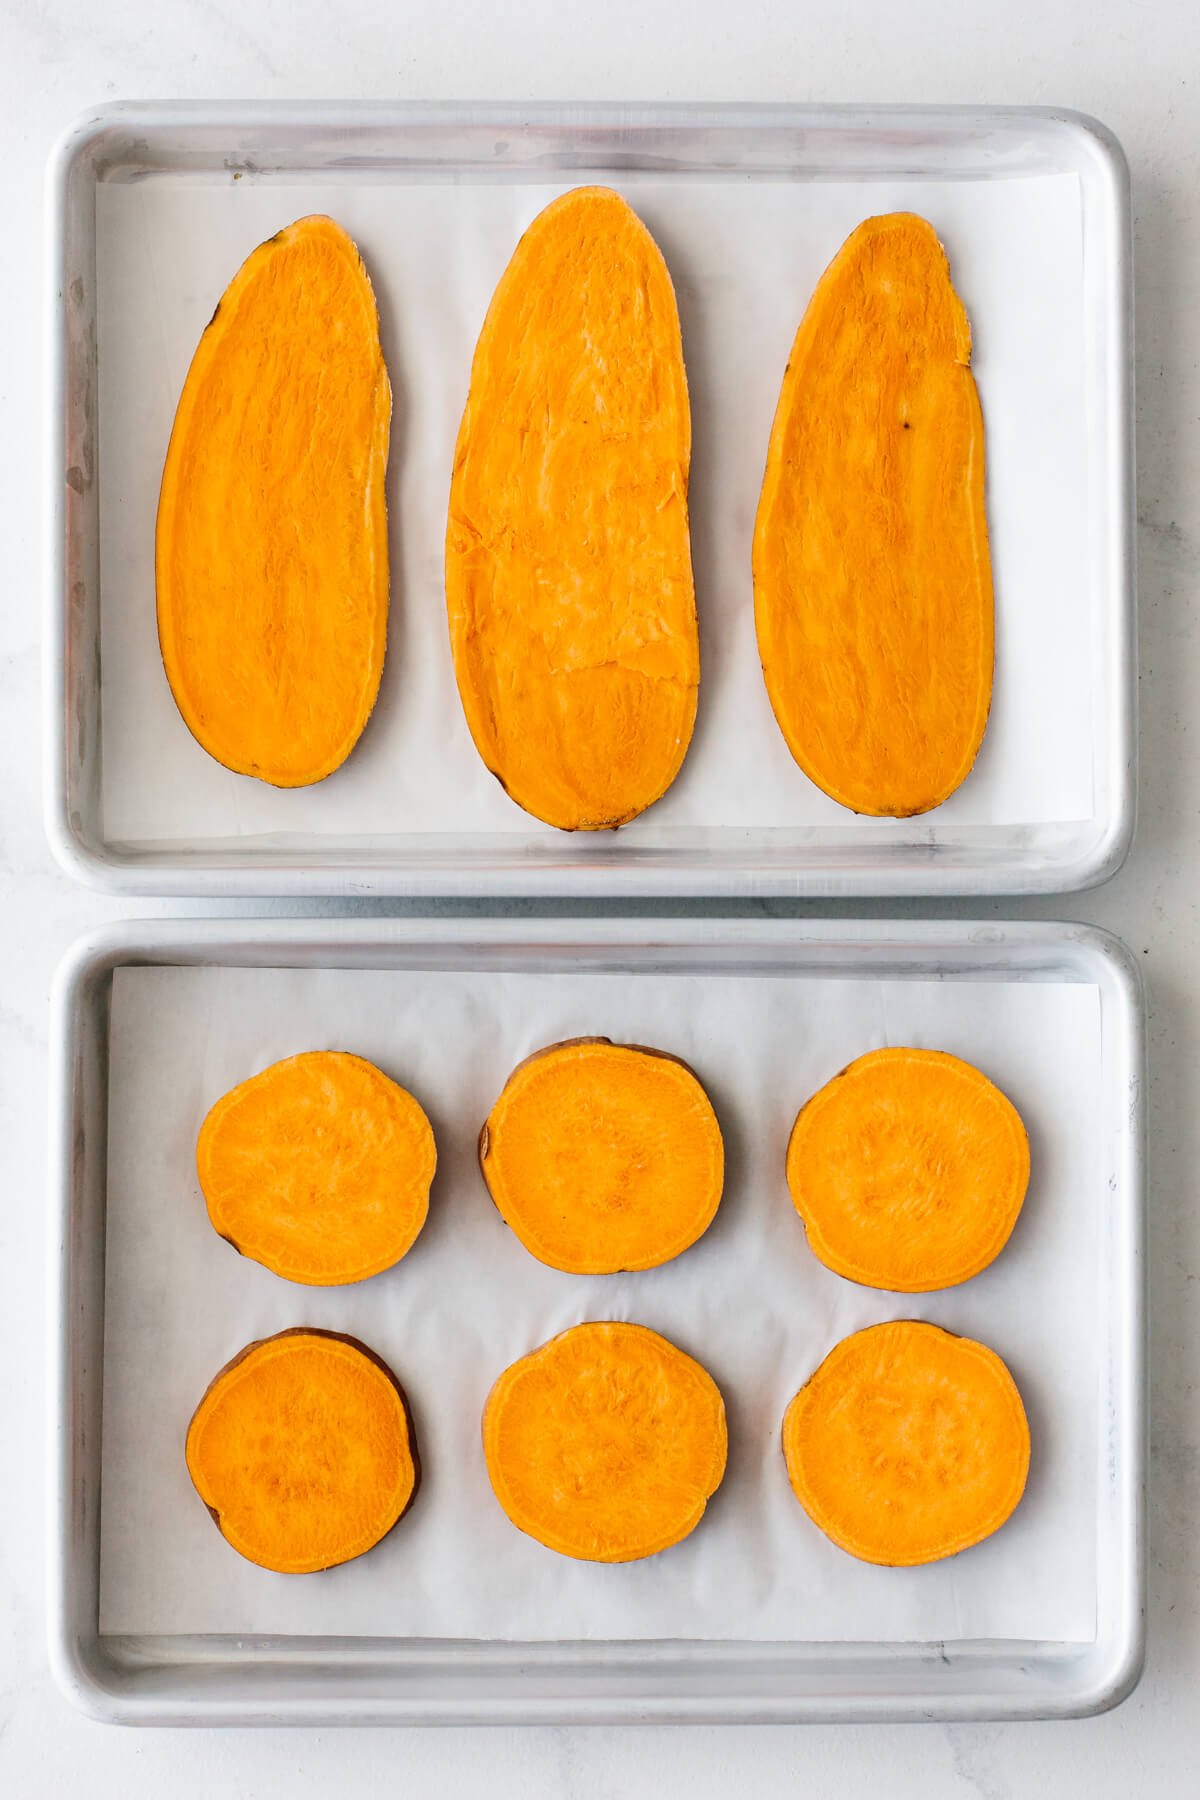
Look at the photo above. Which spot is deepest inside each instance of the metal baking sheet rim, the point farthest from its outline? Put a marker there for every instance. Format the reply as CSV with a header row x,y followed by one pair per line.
x,y
71,662
272,1681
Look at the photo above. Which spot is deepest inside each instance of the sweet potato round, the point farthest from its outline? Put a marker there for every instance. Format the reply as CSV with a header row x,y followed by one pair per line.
x,y
319,1168
303,1451
603,1156
907,1444
568,561
606,1443
909,1170
872,575
271,554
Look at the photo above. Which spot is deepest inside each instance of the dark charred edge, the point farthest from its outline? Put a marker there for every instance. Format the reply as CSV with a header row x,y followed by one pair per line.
x,y
266,241
372,1356
570,1043
482,1148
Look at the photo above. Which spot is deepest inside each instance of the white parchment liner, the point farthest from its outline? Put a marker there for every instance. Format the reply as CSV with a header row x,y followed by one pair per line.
x,y
744,257
749,1300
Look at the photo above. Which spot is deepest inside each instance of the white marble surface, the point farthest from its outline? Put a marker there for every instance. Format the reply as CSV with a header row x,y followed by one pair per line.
x,y
1136,63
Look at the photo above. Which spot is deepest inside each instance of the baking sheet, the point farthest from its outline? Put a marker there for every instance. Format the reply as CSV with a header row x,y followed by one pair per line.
x,y
749,1300
744,256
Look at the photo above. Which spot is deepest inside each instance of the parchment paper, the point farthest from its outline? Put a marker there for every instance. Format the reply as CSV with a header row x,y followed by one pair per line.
x,y
744,257
749,1300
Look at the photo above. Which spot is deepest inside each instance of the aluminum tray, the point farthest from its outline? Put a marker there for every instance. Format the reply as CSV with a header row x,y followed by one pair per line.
x,y
250,846
331,1678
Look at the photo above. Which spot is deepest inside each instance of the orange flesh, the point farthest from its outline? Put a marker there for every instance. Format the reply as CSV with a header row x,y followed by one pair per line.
x,y
271,558
603,1157
301,1449
907,1444
872,574
909,1170
319,1168
606,1443
568,561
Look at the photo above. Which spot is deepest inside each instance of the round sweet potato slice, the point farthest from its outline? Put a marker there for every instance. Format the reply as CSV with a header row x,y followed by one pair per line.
x,y
872,575
909,1170
319,1168
606,1443
908,1444
603,1156
303,1451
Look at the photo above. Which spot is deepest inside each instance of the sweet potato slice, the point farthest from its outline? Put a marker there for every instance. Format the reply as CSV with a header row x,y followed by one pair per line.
x,y
271,557
303,1451
872,575
319,1168
603,1156
606,1443
909,1170
907,1444
568,561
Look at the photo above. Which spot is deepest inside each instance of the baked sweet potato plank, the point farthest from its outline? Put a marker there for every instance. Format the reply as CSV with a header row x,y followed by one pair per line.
x,y
568,562
872,571
271,549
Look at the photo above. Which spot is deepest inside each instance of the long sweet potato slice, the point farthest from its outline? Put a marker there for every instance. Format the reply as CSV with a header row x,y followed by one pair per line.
x,y
909,1170
605,1444
603,1156
319,1167
872,576
907,1444
303,1451
271,559
568,561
